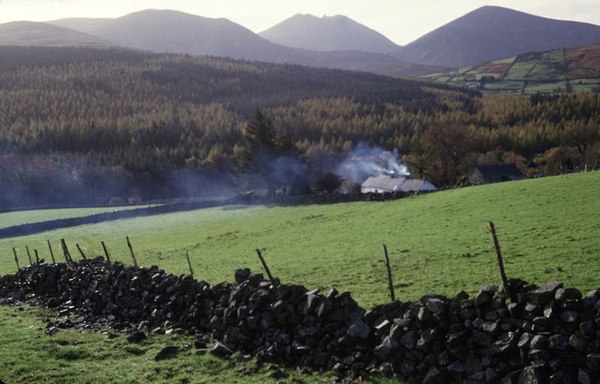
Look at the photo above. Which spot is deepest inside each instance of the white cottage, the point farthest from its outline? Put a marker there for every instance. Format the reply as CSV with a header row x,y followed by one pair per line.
x,y
387,183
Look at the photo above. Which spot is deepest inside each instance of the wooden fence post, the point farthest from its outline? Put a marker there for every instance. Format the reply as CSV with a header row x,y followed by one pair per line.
x,y
51,252
16,258
389,274
28,254
264,264
131,251
105,251
187,255
66,252
492,230
80,251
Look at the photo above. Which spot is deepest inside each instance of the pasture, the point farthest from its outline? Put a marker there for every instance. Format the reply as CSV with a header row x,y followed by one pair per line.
x,y
437,242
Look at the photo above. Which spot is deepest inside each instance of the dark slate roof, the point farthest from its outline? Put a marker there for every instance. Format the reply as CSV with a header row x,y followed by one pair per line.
x,y
500,171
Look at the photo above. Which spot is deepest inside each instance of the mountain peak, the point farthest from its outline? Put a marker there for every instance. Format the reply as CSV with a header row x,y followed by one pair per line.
x,y
328,33
490,32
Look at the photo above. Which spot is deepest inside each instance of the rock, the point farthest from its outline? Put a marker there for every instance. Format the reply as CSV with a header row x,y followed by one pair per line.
x,y
593,361
436,306
220,350
485,294
388,348
538,342
242,275
532,375
409,339
584,377
359,330
558,342
544,293
168,352
569,316
578,343
137,336
456,368
567,294
433,376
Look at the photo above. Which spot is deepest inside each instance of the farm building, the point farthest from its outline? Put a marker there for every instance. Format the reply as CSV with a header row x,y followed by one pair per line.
x,y
485,174
387,183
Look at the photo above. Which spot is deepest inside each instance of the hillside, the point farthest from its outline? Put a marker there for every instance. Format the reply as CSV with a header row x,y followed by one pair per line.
x,y
93,126
26,33
328,33
437,242
562,70
491,33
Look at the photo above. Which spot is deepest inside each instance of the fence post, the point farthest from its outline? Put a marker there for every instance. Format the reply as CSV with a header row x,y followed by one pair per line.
x,y
389,274
80,251
131,251
492,230
16,258
28,254
105,251
51,252
66,252
187,255
264,264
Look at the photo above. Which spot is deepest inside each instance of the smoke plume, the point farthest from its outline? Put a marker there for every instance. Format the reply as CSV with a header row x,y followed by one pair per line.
x,y
365,161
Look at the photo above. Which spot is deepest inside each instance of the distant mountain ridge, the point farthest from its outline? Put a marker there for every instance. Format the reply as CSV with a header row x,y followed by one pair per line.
x,y
178,32
328,33
491,33
24,33
483,35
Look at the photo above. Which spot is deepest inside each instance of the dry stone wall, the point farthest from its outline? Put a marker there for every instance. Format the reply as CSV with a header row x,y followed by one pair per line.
x,y
545,334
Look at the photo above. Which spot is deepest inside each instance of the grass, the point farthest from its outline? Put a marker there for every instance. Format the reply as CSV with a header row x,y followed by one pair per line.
x,y
29,355
438,242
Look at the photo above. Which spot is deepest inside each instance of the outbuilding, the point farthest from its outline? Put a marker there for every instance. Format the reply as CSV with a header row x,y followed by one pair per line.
x,y
485,174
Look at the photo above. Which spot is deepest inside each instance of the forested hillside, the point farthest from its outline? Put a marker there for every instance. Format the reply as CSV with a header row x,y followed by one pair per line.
x,y
88,126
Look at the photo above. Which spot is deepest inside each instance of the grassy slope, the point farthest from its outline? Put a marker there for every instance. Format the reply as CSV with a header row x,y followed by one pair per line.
x,y
437,242
29,355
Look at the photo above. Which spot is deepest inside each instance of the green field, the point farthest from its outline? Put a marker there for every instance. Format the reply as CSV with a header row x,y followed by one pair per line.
x,y
438,243
29,355
555,71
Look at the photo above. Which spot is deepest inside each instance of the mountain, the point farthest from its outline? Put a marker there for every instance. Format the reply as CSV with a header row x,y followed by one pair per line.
x,y
168,31
27,33
178,32
491,33
335,33
559,70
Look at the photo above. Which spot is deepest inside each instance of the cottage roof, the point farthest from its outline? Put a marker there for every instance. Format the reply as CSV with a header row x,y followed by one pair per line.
x,y
384,182
397,184
500,171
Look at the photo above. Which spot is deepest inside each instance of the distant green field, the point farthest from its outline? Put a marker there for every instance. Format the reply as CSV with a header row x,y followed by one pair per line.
x,y
555,71
438,242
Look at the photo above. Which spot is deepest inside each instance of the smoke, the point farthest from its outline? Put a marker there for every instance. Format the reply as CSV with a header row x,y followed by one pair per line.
x,y
365,161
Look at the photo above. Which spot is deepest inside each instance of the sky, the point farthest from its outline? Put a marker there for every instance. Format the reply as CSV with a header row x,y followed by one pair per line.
x,y
402,21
